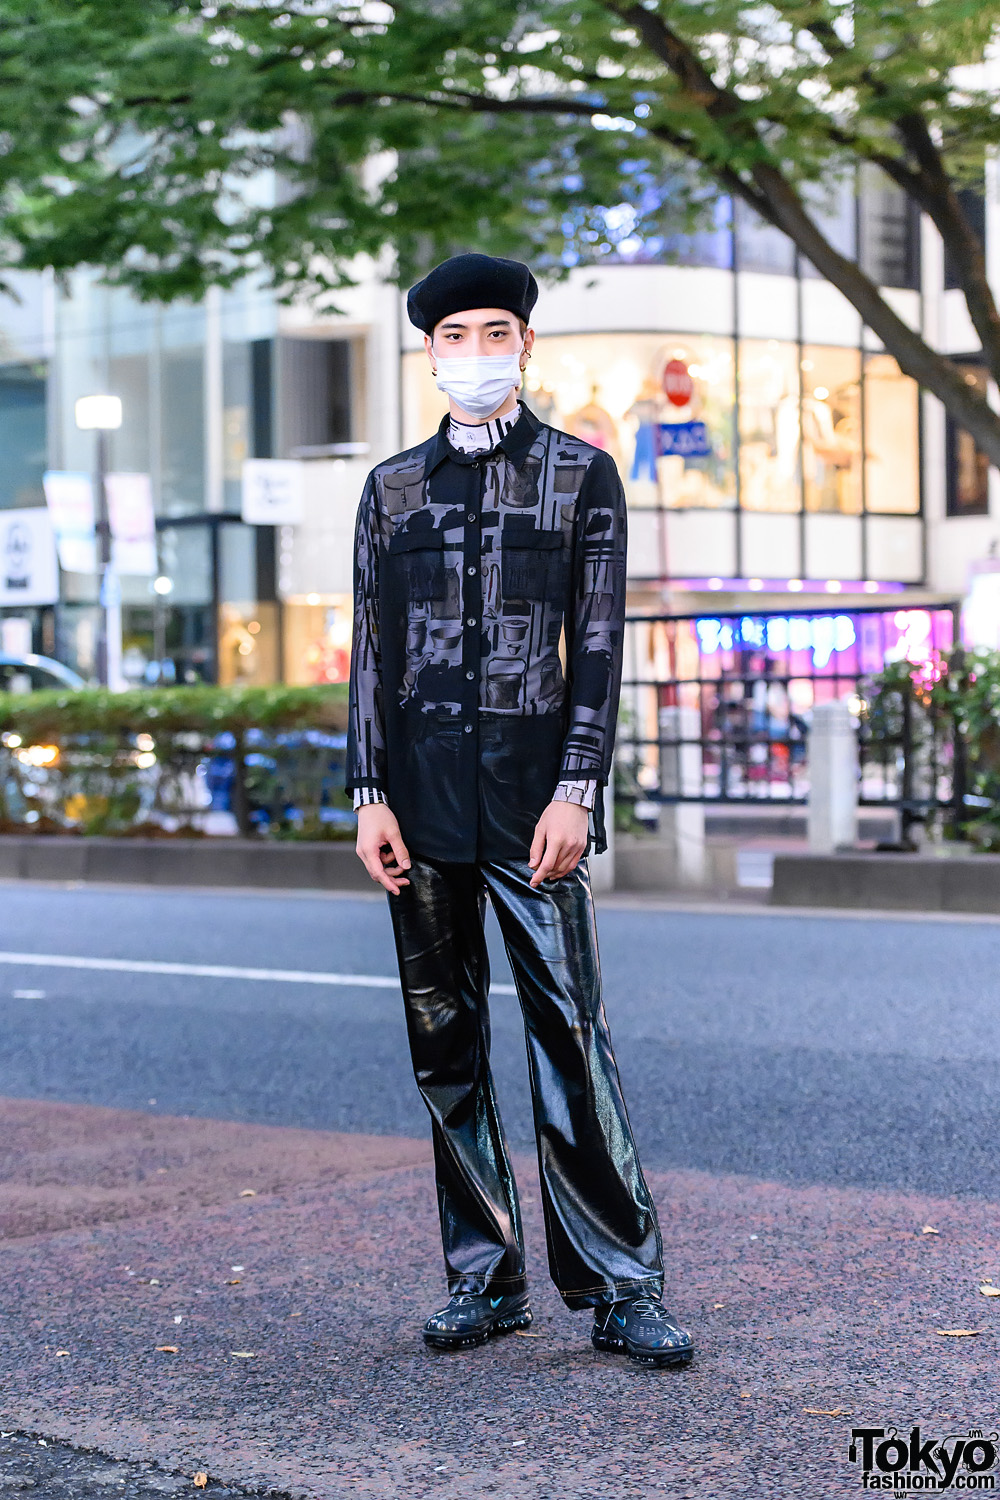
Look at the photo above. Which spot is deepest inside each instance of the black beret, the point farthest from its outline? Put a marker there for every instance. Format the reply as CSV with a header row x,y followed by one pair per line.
x,y
467,281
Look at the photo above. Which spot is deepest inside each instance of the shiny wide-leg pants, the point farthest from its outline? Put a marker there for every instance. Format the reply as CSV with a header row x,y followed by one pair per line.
x,y
600,1222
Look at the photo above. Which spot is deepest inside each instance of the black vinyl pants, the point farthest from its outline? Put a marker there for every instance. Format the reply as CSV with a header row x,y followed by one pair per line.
x,y
601,1227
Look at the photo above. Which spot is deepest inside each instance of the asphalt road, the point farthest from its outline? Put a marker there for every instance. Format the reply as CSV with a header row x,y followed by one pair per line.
x,y
800,1049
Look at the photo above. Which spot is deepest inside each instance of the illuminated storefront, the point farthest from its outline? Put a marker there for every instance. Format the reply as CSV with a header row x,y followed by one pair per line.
x,y
720,706
806,454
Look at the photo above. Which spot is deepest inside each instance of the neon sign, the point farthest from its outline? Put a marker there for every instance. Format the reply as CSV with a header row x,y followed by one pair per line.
x,y
823,635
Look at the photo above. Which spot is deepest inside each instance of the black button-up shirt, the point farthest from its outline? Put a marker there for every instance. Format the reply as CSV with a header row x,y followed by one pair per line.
x,y
489,605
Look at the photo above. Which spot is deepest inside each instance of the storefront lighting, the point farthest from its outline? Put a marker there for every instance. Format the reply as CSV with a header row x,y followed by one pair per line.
x,y
715,583
312,598
808,364
163,585
795,585
144,741
870,586
821,393
755,583
11,741
254,627
98,413
245,648
823,635
145,760
833,586
39,755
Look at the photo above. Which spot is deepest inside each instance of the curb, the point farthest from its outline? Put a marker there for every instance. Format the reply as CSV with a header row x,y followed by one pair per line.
x,y
229,862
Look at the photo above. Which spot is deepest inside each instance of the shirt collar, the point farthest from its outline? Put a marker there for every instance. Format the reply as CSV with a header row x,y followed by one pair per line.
x,y
515,442
481,437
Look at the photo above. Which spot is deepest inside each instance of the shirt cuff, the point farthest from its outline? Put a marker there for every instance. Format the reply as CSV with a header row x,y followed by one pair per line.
x,y
364,796
583,793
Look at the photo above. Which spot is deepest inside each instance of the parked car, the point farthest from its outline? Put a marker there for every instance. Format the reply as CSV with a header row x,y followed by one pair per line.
x,y
31,674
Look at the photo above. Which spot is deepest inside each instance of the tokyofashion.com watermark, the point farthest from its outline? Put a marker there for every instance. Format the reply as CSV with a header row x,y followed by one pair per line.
x,y
905,1463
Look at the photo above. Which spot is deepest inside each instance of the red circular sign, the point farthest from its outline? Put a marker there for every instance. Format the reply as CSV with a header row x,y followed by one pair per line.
x,y
677,383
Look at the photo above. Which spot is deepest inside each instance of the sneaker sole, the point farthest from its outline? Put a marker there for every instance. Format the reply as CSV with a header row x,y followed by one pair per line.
x,y
474,1339
660,1359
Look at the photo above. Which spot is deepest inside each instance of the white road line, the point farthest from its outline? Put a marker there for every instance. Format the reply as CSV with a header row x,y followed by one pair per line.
x,y
211,971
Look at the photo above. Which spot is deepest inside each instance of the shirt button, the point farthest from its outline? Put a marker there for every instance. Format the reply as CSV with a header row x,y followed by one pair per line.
x,y
471,516
468,728
471,620
471,676
470,571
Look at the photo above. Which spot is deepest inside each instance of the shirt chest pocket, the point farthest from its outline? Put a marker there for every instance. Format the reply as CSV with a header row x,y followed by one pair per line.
x,y
533,565
417,560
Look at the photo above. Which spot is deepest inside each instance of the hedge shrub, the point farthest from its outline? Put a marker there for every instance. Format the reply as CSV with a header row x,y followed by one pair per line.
x,y
145,762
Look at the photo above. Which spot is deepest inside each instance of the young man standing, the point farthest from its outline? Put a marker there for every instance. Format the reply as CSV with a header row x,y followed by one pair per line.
x,y
485,673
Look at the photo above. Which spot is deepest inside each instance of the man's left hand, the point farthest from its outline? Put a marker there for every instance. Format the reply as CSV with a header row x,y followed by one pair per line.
x,y
559,842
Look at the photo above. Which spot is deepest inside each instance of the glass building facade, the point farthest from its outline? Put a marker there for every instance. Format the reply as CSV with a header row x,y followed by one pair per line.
x,y
765,439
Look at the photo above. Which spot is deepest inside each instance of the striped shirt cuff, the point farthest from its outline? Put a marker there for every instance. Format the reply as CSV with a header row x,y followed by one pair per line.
x,y
583,793
364,796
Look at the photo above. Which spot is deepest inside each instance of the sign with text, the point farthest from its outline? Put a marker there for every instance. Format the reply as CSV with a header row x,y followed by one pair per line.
x,y
685,440
29,573
70,499
133,523
677,382
273,491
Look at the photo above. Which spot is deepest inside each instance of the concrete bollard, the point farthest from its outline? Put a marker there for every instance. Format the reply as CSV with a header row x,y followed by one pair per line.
x,y
602,866
833,778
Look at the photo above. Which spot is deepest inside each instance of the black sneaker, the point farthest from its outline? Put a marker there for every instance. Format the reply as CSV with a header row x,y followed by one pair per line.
x,y
473,1317
642,1328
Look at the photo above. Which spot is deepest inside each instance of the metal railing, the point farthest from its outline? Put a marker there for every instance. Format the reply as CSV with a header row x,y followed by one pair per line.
x,y
717,709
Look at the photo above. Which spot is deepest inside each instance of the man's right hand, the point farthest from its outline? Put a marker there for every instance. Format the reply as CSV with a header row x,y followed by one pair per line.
x,y
377,827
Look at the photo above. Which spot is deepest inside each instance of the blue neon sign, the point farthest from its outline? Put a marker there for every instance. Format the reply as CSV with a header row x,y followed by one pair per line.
x,y
823,635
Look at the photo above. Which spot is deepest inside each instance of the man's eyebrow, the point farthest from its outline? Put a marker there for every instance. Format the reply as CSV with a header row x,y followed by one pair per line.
x,y
493,323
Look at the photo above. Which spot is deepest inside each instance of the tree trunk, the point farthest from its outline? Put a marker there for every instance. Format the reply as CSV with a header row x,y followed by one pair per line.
x,y
914,356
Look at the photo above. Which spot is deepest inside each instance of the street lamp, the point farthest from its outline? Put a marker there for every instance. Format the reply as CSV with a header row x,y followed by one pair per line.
x,y
103,414
163,587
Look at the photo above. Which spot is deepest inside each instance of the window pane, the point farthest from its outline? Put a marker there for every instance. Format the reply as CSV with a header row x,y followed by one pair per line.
x,y
129,447
831,429
968,468
892,440
237,402
973,202
22,435
183,427
761,247
835,211
186,558
770,473
889,231
315,392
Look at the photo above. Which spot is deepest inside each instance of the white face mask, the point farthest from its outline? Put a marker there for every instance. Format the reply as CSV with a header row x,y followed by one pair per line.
x,y
479,383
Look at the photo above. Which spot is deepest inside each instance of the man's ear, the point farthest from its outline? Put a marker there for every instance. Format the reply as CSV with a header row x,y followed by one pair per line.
x,y
429,348
529,339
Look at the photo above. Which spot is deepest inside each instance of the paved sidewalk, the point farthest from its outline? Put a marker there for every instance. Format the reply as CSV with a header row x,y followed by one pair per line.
x,y
295,1312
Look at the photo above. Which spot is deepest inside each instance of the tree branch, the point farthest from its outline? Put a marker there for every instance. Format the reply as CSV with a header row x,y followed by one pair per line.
x,y
786,211
931,187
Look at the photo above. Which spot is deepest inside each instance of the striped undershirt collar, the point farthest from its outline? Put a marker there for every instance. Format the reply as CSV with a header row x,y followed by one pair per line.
x,y
480,437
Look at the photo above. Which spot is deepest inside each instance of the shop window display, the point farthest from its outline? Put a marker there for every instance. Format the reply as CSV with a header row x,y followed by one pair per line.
x,y
770,459
317,630
831,429
892,441
661,406
664,407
